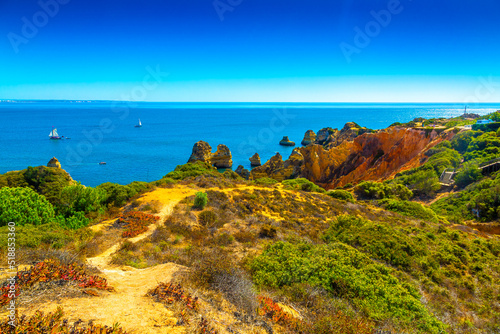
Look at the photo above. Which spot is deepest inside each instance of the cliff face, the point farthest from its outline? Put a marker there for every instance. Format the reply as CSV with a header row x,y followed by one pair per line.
x,y
370,156
350,158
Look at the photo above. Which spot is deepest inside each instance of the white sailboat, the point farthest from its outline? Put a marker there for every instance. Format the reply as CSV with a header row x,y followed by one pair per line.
x,y
53,134
139,125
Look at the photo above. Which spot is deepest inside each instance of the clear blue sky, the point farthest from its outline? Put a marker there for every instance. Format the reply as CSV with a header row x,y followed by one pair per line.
x,y
251,50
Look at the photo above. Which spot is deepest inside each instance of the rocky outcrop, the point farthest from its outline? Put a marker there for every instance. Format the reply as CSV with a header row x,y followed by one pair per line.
x,y
370,156
202,151
243,172
324,136
222,158
286,141
329,137
309,138
278,169
255,160
54,163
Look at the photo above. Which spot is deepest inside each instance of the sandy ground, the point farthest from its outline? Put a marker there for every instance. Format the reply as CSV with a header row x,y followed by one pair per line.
x,y
128,305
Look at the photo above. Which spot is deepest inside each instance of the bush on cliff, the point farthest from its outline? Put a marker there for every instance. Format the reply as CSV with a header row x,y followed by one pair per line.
x,y
83,199
378,190
461,141
192,169
117,195
410,209
345,273
343,195
200,200
469,173
24,206
302,184
265,181
45,181
483,148
443,262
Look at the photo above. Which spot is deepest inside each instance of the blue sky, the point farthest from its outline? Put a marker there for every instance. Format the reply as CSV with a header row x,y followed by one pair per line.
x,y
251,50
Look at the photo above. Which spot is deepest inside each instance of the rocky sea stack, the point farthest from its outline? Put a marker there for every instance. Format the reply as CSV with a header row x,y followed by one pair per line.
x,y
222,158
202,151
309,138
54,163
286,141
255,160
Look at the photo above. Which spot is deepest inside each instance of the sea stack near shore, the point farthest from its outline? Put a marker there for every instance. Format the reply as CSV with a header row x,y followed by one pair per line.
x,y
202,151
309,138
255,160
222,158
54,163
286,141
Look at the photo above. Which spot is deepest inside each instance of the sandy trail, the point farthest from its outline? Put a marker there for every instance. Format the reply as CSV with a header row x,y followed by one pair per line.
x,y
128,305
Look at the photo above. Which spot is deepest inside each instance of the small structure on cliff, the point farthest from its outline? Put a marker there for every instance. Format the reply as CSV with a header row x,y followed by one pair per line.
x,y
202,151
309,138
54,163
286,141
255,160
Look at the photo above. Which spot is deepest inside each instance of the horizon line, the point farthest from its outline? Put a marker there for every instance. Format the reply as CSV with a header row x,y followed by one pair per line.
x,y
246,102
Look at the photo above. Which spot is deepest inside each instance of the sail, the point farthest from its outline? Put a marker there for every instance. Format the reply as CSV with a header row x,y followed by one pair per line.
x,y
54,133
140,122
50,134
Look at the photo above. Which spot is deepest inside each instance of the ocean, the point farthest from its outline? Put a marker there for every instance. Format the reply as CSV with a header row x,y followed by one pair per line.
x,y
105,132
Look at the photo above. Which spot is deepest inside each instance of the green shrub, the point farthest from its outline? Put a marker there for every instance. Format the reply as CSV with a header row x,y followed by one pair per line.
x,y
302,184
461,141
343,195
117,195
79,198
45,181
207,218
483,148
265,181
194,169
346,273
378,190
479,201
24,206
410,209
470,173
200,200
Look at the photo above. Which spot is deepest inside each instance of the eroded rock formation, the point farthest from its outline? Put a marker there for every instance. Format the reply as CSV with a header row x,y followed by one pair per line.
x,y
349,157
202,151
54,163
309,138
243,172
286,141
255,160
222,158
278,169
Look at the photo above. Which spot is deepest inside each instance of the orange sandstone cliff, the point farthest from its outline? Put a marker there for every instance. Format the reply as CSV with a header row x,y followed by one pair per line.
x,y
370,156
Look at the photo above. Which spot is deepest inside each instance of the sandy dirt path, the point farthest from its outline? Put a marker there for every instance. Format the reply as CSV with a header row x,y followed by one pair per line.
x,y
128,305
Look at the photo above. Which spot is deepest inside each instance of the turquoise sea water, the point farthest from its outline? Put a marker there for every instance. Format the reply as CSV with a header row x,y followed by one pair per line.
x,y
104,131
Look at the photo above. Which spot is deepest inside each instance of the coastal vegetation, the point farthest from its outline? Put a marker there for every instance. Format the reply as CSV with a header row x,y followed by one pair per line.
x,y
400,254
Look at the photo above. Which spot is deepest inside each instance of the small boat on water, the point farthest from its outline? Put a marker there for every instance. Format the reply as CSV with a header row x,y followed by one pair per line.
x,y
138,125
102,163
53,134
